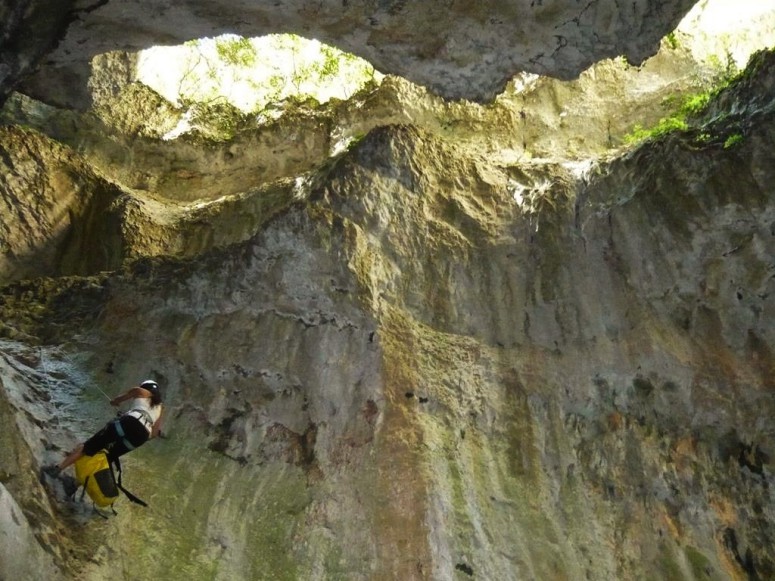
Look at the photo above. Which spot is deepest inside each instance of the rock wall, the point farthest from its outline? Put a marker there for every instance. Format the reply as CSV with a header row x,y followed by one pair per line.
x,y
207,188
57,213
457,49
536,117
429,364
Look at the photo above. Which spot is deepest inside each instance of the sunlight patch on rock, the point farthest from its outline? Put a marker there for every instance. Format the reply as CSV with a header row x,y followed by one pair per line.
x,y
252,74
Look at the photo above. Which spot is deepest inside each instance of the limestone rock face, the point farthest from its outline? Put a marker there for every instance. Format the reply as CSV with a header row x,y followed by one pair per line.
x,y
181,197
457,49
425,363
58,216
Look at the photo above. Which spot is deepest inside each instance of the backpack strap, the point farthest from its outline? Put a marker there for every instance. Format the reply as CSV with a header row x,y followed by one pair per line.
x,y
121,434
129,495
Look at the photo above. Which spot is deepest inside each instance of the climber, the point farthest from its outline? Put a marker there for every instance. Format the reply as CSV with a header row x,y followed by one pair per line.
x,y
129,431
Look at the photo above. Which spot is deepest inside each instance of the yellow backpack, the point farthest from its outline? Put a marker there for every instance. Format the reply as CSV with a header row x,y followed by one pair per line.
x,y
96,476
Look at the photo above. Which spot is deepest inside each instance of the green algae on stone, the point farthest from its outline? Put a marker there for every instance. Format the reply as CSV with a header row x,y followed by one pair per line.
x,y
701,566
215,490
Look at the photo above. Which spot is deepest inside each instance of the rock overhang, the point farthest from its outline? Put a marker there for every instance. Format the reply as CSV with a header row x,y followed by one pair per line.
x,y
459,50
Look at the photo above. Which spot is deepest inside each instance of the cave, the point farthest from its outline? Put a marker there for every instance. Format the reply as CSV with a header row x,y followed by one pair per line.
x,y
480,290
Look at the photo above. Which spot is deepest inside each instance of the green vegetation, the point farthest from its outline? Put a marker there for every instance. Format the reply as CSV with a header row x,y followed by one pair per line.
x,y
733,140
671,40
237,52
225,81
690,106
662,128
696,104
217,120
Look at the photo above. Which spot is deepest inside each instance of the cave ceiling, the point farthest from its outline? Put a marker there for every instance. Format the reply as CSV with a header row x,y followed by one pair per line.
x,y
456,48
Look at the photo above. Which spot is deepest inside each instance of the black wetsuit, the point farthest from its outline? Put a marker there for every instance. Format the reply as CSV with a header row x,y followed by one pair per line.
x,y
108,438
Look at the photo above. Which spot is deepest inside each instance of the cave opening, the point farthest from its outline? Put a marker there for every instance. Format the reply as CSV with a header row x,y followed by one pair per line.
x,y
227,83
257,76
